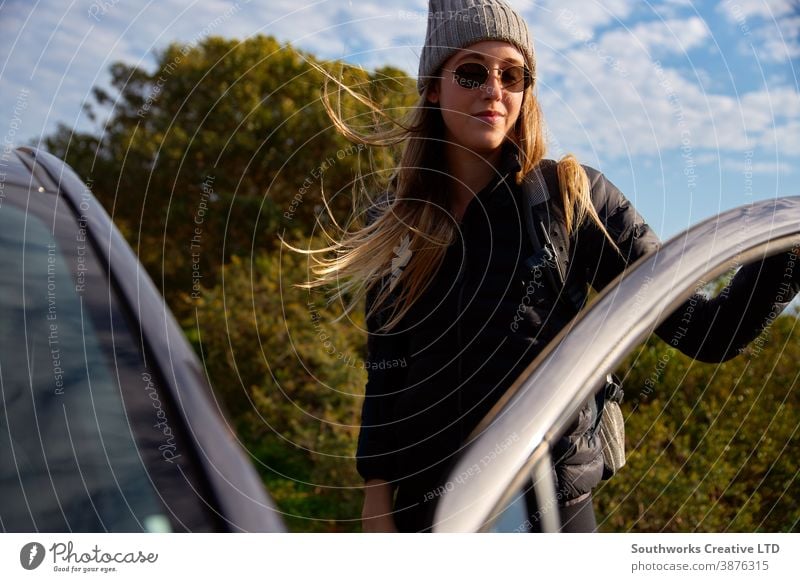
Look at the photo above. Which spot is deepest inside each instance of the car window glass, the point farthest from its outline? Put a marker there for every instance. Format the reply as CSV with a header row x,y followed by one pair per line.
x,y
70,462
88,441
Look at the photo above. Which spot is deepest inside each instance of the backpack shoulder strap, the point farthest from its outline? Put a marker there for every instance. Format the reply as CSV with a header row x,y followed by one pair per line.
x,y
543,215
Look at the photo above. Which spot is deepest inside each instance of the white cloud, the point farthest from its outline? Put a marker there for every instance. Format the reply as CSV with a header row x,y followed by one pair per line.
x,y
670,36
770,27
669,9
785,45
758,167
768,9
611,94
558,24
368,34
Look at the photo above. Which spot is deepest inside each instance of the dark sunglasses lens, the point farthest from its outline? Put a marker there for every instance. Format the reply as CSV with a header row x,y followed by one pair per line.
x,y
515,79
471,75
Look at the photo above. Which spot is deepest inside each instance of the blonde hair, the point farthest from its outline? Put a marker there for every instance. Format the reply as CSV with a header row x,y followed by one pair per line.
x,y
415,222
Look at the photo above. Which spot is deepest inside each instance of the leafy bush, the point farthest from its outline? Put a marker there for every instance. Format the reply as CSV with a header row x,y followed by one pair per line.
x,y
711,448
291,382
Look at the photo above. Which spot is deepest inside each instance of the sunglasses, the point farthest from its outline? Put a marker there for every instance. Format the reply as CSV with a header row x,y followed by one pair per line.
x,y
515,78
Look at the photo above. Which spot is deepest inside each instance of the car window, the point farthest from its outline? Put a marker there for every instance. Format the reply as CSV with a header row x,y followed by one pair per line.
x,y
89,440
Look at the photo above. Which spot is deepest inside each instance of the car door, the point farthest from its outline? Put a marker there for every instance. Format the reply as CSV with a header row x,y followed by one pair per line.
x,y
513,442
107,422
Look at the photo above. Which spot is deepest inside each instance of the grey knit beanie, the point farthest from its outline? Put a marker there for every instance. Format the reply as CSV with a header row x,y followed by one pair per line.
x,y
456,24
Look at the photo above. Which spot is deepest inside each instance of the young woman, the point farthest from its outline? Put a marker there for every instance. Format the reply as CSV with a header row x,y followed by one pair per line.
x,y
449,294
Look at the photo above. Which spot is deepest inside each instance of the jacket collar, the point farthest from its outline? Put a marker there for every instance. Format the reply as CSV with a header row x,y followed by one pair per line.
x,y
507,167
509,163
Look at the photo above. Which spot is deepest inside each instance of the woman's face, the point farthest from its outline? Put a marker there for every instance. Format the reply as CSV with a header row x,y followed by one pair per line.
x,y
481,118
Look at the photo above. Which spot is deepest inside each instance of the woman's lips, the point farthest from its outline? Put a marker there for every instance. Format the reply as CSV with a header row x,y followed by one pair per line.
x,y
489,116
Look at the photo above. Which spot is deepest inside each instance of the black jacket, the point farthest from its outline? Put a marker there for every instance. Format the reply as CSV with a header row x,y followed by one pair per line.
x,y
483,319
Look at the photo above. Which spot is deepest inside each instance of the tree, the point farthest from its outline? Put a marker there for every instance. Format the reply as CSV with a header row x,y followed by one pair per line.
x,y
217,150
292,382
710,447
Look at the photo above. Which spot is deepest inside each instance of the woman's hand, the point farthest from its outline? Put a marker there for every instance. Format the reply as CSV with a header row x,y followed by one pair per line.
x,y
376,516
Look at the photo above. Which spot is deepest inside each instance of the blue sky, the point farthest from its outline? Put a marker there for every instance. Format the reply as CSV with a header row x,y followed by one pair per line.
x,y
689,107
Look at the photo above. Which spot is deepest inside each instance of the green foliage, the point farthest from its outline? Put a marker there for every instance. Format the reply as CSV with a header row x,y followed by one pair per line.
x,y
711,448
217,149
291,382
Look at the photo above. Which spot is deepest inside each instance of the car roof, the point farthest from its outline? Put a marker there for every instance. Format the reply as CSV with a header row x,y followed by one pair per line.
x,y
19,168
